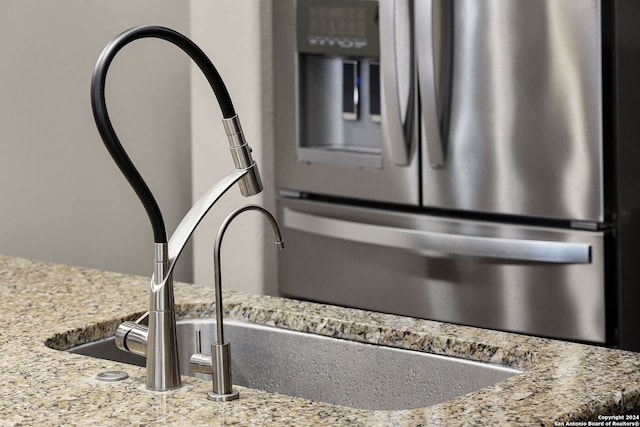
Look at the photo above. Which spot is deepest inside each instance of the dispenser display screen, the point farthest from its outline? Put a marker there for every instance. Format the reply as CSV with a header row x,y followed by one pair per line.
x,y
338,27
338,22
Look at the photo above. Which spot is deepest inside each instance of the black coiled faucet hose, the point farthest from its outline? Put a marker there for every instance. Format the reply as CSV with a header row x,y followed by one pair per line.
x,y
103,122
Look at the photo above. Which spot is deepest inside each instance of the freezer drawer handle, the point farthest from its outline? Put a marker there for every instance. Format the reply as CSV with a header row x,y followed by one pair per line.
x,y
425,242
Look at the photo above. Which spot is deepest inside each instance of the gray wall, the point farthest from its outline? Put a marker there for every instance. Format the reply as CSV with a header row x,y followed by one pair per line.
x,y
61,197
236,34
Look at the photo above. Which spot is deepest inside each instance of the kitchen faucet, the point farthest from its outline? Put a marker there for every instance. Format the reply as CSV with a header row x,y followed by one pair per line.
x,y
157,341
219,363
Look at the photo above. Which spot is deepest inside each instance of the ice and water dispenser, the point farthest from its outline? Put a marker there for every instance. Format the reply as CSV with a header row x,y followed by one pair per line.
x,y
339,101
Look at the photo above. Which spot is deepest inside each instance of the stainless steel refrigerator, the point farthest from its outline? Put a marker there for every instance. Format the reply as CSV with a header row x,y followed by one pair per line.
x,y
466,161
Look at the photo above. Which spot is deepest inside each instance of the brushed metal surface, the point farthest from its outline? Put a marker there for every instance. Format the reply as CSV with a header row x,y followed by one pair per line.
x,y
525,132
539,298
329,369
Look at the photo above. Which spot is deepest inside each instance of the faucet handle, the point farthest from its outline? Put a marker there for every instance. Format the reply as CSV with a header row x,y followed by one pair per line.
x,y
198,341
204,364
133,338
200,362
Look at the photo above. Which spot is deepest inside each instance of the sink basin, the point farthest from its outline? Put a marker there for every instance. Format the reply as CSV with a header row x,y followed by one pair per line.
x,y
326,369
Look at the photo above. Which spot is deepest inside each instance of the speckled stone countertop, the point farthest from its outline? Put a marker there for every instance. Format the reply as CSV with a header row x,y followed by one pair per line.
x,y
63,306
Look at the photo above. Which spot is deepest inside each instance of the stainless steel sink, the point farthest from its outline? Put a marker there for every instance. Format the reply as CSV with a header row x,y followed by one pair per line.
x,y
326,369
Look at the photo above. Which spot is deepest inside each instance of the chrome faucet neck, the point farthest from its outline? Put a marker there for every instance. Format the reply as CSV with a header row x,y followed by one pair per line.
x,y
160,263
217,253
219,363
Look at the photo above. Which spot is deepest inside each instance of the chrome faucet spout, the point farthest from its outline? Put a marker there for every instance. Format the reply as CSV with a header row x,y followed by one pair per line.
x,y
158,341
216,257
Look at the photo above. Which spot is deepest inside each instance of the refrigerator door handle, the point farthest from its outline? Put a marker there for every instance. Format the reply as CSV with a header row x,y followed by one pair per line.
x,y
426,242
396,78
427,79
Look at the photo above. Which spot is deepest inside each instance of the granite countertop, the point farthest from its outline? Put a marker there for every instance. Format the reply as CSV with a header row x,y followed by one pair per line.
x,y
63,306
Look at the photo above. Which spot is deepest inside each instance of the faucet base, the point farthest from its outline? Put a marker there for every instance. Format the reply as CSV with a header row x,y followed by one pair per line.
x,y
223,397
163,368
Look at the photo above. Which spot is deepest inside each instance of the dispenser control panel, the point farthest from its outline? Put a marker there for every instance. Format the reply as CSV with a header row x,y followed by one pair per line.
x,y
340,27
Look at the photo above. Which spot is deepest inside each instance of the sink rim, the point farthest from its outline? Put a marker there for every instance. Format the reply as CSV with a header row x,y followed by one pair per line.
x,y
508,355
237,322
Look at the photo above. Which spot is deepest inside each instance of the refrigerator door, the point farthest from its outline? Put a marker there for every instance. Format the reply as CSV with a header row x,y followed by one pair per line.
x,y
534,280
511,103
345,124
